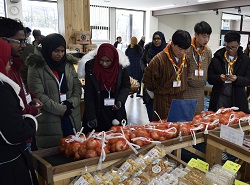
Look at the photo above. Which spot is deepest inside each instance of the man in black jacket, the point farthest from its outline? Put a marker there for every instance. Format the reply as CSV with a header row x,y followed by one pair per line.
x,y
229,73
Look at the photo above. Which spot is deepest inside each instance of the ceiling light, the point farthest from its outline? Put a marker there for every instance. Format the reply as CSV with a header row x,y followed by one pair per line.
x,y
163,7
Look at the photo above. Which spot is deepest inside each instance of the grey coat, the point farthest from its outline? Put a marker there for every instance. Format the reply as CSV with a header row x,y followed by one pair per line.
x,y
43,84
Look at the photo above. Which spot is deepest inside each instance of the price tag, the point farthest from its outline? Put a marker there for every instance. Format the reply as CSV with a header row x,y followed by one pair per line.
x,y
231,166
232,135
201,165
237,182
192,163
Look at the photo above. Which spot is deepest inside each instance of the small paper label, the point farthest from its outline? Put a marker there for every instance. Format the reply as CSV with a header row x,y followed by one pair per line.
x,y
203,166
81,181
152,153
237,182
231,166
63,97
156,169
176,83
125,166
109,101
192,163
232,135
196,72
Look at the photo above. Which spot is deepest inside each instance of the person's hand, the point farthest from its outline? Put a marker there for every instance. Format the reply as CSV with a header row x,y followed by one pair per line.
x,y
231,78
68,104
223,77
92,123
67,112
117,106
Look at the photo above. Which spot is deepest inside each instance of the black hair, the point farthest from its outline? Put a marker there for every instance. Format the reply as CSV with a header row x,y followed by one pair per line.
x,y
182,39
203,28
232,36
9,27
28,30
118,37
37,33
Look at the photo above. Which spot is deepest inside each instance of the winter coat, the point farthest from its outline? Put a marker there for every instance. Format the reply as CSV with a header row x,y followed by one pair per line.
x,y
241,69
94,98
44,85
15,160
15,75
196,84
134,54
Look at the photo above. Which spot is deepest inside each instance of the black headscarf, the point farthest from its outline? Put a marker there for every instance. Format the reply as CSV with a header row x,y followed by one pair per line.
x,y
49,44
153,49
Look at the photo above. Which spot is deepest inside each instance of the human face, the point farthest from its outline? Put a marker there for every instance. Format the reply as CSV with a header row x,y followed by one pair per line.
x,y
17,43
157,40
58,54
119,40
201,40
8,66
178,52
105,62
232,47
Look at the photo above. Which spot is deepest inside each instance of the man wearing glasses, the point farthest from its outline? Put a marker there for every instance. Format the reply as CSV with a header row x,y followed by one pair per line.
x,y
229,73
13,32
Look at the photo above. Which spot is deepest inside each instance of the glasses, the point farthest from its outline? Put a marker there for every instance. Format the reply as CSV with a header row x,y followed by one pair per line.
x,y
157,38
20,41
233,48
107,62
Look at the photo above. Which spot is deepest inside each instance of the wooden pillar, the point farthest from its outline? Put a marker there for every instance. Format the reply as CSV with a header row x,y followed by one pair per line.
x,y
74,15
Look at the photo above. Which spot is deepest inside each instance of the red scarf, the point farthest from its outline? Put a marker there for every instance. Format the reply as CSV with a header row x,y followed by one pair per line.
x,y
5,53
107,77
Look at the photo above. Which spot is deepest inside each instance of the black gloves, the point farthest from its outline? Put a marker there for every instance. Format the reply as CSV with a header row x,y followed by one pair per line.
x,y
117,106
69,107
92,123
67,112
68,104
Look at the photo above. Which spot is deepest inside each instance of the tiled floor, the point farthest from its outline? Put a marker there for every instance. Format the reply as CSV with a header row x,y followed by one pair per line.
x,y
136,111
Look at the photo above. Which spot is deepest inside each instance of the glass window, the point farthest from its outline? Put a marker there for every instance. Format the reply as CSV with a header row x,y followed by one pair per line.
x,y
230,22
246,23
40,15
2,9
99,22
129,23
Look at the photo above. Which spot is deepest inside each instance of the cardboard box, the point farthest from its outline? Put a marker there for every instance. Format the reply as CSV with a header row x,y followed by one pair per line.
x,y
83,37
89,47
76,47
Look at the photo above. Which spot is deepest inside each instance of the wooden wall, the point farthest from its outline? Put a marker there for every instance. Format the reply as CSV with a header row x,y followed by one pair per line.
x,y
76,18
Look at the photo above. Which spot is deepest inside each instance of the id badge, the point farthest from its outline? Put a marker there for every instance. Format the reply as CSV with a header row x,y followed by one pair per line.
x,y
109,101
176,83
28,98
228,82
196,72
63,97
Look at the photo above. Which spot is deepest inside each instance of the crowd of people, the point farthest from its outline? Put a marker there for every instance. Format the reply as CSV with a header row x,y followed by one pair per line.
x,y
41,91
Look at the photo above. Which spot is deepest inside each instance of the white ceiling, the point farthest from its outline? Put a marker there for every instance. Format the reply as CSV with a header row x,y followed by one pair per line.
x,y
160,4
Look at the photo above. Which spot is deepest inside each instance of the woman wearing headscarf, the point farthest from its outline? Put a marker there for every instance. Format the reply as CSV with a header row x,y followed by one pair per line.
x,y
134,53
53,79
151,49
15,160
107,87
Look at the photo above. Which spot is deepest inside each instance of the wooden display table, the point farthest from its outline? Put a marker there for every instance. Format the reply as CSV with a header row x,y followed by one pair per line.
x,y
215,147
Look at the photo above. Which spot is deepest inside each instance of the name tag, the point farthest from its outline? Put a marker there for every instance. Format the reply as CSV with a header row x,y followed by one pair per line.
x,y
28,98
63,97
176,83
196,72
228,82
109,101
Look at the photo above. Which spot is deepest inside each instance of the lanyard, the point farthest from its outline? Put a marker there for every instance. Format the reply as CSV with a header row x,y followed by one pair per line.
x,y
178,69
108,90
199,64
60,83
24,88
230,64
